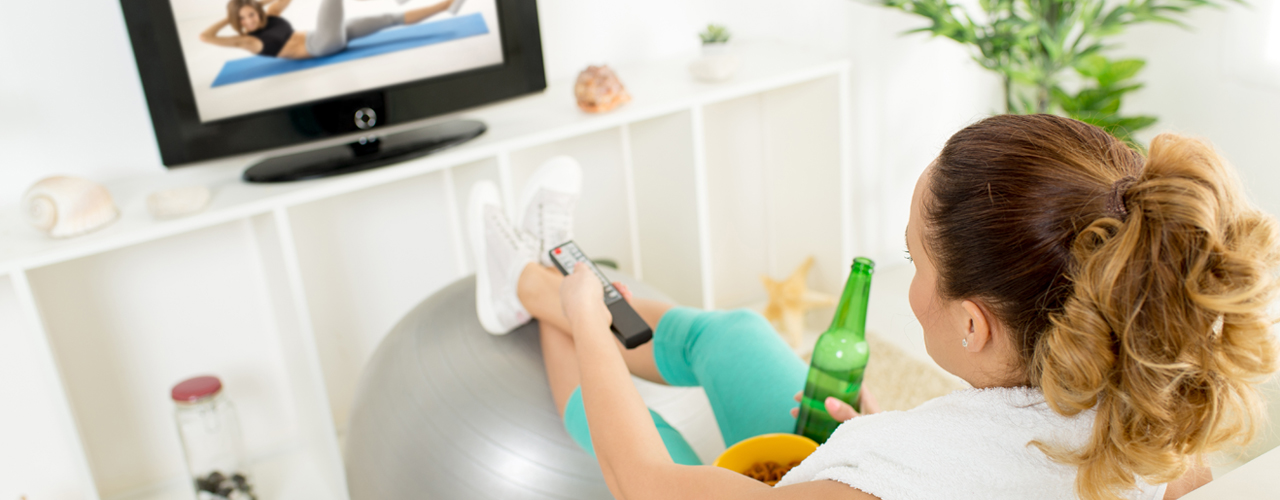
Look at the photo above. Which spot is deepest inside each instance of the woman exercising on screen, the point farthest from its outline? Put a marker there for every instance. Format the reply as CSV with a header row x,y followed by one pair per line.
x,y
262,31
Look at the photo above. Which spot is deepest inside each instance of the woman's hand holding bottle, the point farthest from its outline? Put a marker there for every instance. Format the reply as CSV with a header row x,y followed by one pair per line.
x,y
842,411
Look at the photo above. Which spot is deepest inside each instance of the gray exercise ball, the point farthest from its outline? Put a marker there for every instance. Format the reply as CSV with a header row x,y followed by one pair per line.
x,y
445,410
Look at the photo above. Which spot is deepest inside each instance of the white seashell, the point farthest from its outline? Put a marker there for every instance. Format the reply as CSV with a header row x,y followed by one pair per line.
x,y
177,202
68,206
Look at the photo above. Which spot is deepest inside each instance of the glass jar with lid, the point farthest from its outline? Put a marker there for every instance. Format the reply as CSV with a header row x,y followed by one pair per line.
x,y
210,433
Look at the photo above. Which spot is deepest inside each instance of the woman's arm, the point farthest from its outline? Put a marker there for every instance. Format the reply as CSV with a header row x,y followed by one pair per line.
x,y
609,404
631,453
210,35
276,7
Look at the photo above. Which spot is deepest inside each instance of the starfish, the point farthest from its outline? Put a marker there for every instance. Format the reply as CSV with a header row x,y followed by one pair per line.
x,y
790,299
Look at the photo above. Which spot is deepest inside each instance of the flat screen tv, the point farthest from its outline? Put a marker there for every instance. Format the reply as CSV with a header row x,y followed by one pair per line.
x,y
231,77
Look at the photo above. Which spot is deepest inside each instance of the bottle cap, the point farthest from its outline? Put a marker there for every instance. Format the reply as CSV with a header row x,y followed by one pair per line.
x,y
195,389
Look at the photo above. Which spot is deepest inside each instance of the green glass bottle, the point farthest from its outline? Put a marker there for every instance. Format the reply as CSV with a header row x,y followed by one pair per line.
x,y
839,357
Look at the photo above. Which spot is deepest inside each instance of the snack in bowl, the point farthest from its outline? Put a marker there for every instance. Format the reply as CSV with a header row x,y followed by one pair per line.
x,y
770,472
766,457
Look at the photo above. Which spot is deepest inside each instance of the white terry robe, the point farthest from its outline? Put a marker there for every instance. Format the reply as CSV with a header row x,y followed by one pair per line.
x,y
972,443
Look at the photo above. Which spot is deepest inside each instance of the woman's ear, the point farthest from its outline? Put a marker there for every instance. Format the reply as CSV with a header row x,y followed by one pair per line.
x,y
977,333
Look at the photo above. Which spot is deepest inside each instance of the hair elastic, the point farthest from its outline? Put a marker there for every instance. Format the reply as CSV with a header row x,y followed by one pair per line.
x,y
1115,203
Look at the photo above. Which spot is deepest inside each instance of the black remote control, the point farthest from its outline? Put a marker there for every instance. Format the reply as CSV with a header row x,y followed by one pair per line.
x,y
630,329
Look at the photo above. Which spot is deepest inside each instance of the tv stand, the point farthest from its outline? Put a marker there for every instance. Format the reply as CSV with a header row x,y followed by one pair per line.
x,y
366,153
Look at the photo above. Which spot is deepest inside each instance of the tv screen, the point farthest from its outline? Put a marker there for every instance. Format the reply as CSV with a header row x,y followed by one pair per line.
x,y
244,56
226,77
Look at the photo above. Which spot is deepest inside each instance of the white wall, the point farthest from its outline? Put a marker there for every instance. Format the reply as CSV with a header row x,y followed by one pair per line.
x,y
1195,88
70,97
76,106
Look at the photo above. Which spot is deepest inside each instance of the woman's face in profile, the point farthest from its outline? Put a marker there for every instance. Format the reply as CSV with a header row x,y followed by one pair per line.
x,y
250,21
936,315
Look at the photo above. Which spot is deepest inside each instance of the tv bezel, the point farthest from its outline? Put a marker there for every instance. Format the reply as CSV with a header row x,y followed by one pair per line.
x,y
183,138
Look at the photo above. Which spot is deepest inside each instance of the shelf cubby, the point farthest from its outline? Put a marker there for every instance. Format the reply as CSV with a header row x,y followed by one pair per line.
x,y
809,180
207,313
669,213
40,444
367,257
777,201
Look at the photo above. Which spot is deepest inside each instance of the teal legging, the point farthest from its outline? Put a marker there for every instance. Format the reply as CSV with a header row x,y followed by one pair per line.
x,y
750,375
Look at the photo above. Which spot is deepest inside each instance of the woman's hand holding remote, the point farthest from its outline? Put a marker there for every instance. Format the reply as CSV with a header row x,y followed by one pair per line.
x,y
583,300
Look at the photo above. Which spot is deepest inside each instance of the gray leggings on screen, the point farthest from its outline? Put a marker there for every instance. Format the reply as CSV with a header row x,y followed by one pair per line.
x,y
331,35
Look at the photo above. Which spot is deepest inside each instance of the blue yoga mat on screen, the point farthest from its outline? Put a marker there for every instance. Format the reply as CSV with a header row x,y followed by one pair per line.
x,y
382,42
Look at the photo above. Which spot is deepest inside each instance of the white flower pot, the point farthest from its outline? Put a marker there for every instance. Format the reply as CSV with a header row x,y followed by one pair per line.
x,y
717,63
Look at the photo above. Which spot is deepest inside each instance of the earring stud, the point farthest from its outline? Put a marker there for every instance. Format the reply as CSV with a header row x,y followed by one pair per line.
x,y
964,342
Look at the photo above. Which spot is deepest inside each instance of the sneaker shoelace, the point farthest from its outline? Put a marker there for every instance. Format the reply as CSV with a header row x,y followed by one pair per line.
x,y
502,261
514,239
554,215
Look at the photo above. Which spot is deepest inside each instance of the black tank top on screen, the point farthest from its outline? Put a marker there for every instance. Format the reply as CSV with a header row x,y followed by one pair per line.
x,y
273,35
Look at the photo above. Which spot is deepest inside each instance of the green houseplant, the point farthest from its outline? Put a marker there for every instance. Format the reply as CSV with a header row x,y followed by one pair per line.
x,y
1051,54
715,33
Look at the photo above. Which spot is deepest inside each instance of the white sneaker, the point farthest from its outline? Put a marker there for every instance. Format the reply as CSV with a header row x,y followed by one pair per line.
x,y
501,254
547,203
456,6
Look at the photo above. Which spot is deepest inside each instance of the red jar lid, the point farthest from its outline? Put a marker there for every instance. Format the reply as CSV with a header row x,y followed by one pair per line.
x,y
195,389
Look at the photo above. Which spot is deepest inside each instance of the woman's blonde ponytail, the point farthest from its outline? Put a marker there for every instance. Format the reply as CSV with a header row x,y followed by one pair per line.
x,y
1134,287
1166,329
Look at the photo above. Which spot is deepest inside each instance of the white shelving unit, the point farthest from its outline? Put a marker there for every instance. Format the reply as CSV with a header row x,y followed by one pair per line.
x,y
284,290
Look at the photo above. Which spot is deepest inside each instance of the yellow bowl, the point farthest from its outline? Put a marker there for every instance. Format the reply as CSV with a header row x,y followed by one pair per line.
x,y
781,448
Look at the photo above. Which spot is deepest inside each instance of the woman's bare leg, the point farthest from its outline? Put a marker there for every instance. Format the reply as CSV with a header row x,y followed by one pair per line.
x,y
416,15
539,292
562,363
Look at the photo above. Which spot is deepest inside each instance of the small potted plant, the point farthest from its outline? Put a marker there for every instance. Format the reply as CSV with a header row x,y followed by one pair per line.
x,y
718,62
714,34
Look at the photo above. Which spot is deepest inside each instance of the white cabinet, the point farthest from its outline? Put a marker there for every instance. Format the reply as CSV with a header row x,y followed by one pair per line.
x,y
283,291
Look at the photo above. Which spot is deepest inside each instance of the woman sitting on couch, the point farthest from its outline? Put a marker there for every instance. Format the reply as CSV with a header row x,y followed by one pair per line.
x,y
1109,310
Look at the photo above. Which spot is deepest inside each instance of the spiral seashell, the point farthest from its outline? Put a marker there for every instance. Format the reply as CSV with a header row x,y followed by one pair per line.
x,y
41,212
64,206
598,90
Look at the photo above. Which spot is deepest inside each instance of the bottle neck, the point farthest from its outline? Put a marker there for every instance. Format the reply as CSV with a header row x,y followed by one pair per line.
x,y
851,313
